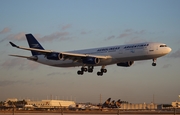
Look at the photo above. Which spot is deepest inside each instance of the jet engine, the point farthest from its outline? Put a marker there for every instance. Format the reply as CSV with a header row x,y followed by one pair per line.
x,y
90,60
125,64
55,56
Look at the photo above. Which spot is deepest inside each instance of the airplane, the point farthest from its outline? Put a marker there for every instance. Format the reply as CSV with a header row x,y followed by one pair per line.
x,y
116,104
106,103
122,55
113,104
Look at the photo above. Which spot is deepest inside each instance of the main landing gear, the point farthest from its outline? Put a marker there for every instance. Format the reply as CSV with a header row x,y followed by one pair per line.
x,y
84,69
154,62
90,70
103,70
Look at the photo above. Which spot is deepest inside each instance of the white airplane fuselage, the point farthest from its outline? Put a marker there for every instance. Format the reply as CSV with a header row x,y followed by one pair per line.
x,y
118,54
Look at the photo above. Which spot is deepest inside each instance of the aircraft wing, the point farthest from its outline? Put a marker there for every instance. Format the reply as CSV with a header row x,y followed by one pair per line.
x,y
84,55
66,55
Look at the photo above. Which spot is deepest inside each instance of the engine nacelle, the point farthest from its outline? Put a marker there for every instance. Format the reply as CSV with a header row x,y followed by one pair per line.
x,y
90,60
125,64
55,56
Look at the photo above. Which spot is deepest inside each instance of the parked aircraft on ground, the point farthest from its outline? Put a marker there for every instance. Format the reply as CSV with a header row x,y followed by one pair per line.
x,y
106,103
122,55
113,104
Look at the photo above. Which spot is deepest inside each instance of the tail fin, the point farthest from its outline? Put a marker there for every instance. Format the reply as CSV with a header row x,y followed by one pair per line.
x,y
118,103
106,103
33,43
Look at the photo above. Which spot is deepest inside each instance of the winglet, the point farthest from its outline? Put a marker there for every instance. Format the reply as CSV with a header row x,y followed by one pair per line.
x,y
14,45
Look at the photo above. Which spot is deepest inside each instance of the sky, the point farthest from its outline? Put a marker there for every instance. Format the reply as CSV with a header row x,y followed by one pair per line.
x,y
64,25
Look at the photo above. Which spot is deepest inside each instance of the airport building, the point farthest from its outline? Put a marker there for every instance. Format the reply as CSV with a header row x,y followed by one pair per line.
x,y
58,104
130,106
27,103
176,104
50,104
12,99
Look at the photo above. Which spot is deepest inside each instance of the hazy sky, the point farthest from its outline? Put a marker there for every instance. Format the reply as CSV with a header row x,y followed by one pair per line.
x,y
63,25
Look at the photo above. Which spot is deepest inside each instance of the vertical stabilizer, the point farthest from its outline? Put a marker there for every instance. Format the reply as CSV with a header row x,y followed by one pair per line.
x,y
106,103
33,43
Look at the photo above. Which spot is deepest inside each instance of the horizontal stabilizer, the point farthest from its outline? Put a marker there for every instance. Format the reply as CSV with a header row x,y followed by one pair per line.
x,y
31,49
27,57
13,45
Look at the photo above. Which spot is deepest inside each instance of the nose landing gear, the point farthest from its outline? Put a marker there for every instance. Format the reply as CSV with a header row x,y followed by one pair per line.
x,y
154,62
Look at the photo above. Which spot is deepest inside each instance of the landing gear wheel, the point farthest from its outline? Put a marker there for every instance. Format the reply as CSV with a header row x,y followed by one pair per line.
x,y
84,69
90,70
103,70
80,72
99,73
153,64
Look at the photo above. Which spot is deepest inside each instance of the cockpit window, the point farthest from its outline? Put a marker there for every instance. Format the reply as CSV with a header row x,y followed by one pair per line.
x,y
163,45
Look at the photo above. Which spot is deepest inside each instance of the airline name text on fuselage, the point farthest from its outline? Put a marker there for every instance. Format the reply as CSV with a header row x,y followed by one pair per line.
x,y
136,46
118,47
108,49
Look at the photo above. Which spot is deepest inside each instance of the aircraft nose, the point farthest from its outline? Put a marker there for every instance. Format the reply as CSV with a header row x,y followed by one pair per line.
x,y
169,50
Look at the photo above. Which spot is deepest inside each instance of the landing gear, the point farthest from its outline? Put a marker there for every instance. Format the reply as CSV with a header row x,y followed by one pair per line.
x,y
103,70
90,69
99,73
81,72
84,69
154,62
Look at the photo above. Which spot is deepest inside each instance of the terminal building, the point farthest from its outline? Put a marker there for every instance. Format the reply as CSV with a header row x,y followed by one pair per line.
x,y
50,104
176,104
40,104
12,99
131,106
